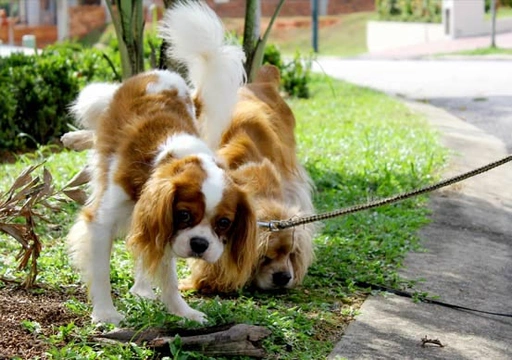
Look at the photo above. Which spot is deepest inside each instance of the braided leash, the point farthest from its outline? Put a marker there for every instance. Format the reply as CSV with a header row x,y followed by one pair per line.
x,y
277,225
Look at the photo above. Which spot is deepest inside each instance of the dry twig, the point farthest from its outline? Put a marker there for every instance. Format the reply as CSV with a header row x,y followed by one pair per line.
x,y
425,340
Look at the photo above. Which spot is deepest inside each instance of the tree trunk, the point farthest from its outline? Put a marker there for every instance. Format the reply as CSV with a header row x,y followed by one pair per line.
x,y
493,24
251,34
128,19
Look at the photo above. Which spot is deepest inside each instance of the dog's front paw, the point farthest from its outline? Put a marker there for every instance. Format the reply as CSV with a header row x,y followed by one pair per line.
x,y
189,313
194,315
110,316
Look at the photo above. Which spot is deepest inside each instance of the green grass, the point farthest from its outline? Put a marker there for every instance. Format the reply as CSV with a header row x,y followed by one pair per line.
x,y
357,144
501,12
485,51
347,37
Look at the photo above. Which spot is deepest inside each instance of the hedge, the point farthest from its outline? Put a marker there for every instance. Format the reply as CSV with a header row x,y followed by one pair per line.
x,y
36,90
409,10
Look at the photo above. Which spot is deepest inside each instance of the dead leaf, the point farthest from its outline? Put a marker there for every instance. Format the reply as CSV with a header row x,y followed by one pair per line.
x,y
47,181
22,179
83,177
78,195
26,190
17,231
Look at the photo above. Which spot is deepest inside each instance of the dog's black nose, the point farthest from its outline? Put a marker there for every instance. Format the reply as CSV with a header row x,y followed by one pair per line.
x,y
198,245
281,278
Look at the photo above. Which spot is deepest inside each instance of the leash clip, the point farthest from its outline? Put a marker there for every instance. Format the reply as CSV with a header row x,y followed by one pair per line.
x,y
271,225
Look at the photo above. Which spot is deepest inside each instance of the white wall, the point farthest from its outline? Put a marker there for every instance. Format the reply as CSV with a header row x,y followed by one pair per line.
x,y
62,19
467,18
502,25
463,18
33,12
383,35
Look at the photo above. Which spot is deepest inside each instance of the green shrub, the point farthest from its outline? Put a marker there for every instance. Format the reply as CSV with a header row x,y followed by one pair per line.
x,y
42,89
151,47
88,64
409,10
36,90
499,3
272,56
8,130
295,75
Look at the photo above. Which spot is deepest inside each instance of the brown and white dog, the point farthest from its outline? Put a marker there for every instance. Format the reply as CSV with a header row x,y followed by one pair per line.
x,y
154,179
259,149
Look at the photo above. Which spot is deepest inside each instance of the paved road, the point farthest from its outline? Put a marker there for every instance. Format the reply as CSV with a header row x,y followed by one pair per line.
x,y
477,91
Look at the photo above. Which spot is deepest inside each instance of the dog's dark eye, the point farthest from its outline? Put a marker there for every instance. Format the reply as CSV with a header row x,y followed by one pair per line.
x,y
223,224
184,216
266,260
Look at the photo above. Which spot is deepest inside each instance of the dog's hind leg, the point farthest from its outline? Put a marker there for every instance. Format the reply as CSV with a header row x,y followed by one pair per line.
x,y
99,282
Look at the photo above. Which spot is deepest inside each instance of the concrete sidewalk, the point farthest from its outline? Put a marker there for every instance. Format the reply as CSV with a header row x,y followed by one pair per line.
x,y
468,261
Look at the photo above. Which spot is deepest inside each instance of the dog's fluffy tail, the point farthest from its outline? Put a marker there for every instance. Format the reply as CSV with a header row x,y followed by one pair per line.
x,y
92,101
215,66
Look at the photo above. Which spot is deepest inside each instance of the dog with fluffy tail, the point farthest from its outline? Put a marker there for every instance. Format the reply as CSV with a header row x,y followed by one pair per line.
x,y
122,118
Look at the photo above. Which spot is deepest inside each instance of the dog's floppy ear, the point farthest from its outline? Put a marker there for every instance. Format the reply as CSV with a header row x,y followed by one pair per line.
x,y
303,256
243,236
240,256
152,223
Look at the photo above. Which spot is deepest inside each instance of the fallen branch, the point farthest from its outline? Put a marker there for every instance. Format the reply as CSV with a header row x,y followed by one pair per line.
x,y
225,340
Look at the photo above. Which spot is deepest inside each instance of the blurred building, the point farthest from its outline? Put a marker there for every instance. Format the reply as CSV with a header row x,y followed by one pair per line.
x,y
52,20
236,8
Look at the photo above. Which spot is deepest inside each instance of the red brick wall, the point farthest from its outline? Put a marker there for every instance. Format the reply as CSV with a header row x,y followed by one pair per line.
x,y
236,8
82,19
45,34
85,18
350,6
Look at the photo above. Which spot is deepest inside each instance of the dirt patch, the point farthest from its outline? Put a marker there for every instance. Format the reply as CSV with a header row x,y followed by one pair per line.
x,y
296,22
46,307
300,22
343,313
